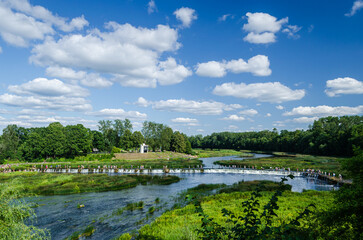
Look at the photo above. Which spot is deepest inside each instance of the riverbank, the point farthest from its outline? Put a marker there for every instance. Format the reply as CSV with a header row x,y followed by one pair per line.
x,y
31,183
183,223
206,153
296,162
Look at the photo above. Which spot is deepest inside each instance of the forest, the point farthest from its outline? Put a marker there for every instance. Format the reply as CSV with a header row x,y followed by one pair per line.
x,y
329,136
57,141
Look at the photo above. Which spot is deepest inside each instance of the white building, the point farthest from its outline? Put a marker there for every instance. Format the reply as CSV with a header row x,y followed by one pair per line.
x,y
144,148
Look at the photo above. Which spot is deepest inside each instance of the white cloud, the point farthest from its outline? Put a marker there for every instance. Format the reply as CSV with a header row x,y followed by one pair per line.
x,y
95,80
186,16
45,87
151,7
17,28
189,106
224,17
262,27
279,107
46,16
345,85
46,102
268,115
249,112
200,130
258,65
142,102
131,55
1,50
292,30
184,120
273,92
357,5
324,111
260,38
211,69
234,118
119,113
305,119
20,22
65,73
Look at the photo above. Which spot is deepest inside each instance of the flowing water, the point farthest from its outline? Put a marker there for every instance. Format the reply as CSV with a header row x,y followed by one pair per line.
x,y
60,214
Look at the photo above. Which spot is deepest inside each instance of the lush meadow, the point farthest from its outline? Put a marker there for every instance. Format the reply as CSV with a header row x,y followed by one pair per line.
x,y
61,184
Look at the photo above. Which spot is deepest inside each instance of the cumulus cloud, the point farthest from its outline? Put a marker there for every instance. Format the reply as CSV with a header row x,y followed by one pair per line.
x,y
151,7
119,113
20,22
324,111
186,16
345,85
184,120
262,27
46,102
142,102
189,106
131,55
258,65
357,5
273,92
234,118
279,107
249,112
305,119
268,115
45,87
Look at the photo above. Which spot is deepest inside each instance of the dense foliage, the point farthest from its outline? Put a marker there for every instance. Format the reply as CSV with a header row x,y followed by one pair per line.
x,y
334,136
58,141
14,213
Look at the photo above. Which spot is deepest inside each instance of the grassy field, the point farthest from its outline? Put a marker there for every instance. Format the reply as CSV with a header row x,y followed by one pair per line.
x,y
204,153
125,160
61,184
151,155
182,223
325,164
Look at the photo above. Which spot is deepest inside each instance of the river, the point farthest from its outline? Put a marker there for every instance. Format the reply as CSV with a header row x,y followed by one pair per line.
x,y
60,215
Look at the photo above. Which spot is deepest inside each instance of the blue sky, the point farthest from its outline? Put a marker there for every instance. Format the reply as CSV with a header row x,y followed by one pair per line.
x,y
197,67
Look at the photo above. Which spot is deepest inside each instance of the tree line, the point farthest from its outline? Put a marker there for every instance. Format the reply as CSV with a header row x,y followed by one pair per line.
x,y
57,141
329,136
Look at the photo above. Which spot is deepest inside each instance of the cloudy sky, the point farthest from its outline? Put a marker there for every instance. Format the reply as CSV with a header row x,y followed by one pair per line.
x,y
198,67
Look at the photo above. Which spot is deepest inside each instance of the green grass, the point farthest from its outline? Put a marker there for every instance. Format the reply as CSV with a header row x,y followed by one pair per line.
x,y
204,153
182,223
61,184
325,164
147,163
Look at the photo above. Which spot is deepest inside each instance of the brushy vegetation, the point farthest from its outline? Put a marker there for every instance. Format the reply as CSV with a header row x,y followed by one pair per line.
x,y
325,164
13,215
60,184
184,223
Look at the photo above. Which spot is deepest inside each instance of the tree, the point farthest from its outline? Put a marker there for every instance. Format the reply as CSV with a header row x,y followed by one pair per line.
x,y
34,147
55,140
9,142
137,139
166,135
126,141
78,140
109,134
98,141
178,142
